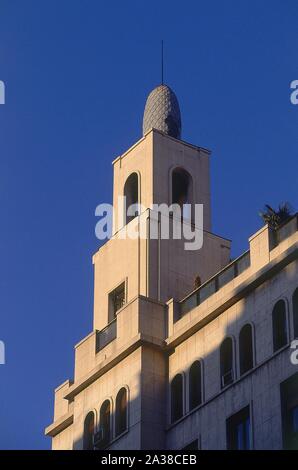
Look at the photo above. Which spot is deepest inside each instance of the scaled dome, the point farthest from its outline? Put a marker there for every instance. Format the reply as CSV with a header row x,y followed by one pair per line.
x,y
162,112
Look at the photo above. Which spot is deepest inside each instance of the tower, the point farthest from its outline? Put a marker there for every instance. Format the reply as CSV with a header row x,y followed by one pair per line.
x,y
118,398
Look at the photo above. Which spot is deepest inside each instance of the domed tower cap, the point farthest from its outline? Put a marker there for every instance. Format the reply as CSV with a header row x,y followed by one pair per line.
x,y
162,112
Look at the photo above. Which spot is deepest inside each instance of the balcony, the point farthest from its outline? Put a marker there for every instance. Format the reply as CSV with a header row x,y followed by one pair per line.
x,y
107,335
241,264
209,288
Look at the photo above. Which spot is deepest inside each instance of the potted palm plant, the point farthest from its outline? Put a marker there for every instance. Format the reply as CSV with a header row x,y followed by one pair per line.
x,y
275,218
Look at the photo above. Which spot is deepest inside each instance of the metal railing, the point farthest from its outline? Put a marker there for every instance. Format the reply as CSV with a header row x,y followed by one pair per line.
x,y
106,335
215,283
227,378
235,268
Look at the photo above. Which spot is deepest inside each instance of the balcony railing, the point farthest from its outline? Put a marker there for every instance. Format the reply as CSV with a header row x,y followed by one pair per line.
x,y
227,378
234,269
215,283
105,336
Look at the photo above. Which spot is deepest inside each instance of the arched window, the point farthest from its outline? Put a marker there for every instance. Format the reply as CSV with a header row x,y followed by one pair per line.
x,y
295,312
279,324
131,193
121,411
195,385
246,348
176,398
89,424
182,189
105,422
226,362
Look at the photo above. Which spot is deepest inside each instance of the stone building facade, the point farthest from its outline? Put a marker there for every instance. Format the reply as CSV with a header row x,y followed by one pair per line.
x,y
189,350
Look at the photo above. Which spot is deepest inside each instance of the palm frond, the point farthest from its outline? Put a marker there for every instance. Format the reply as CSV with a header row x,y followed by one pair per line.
x,y
274,218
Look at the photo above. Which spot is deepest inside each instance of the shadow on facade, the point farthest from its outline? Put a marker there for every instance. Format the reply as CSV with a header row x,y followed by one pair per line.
x,y
249,367
243,375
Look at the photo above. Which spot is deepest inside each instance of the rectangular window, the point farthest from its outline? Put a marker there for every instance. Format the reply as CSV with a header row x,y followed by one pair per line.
x,y
116,300
289,412
295,418
238,430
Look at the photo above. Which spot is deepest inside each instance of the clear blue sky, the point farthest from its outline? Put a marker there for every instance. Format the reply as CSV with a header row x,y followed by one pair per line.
x,y
77,75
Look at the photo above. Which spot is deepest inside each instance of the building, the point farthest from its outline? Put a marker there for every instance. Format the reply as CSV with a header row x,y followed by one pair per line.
x,y
188,349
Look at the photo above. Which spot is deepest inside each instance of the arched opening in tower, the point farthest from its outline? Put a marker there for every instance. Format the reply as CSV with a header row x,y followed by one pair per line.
x,y
131,193
182,191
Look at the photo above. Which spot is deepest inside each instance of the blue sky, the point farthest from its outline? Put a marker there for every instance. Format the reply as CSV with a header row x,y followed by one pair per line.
x,y
77,75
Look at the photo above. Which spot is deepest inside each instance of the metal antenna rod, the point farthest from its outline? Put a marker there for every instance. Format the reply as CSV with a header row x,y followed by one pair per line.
x,y
162,61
